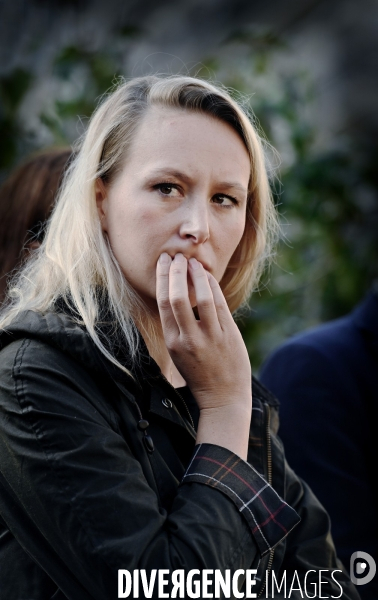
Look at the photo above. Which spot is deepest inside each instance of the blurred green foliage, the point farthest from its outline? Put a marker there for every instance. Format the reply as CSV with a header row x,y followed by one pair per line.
x,y
327,198
12,90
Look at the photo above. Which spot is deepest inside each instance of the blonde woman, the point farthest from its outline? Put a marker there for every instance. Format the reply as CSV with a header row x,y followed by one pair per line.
x,y
130,465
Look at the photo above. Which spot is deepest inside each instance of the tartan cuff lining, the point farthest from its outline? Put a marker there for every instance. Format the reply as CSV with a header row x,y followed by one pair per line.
x,y
269,518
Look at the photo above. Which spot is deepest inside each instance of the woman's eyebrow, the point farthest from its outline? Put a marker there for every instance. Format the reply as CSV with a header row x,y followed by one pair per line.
x,y
233,185
162,172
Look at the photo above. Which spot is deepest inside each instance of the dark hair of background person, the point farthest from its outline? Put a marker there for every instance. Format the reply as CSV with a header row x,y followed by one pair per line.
x,y
26,200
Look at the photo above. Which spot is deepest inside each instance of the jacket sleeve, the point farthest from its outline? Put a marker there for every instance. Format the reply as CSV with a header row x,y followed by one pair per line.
x,y
76,500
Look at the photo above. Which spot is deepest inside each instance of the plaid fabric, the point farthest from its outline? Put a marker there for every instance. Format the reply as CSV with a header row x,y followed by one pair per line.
x,y
268,516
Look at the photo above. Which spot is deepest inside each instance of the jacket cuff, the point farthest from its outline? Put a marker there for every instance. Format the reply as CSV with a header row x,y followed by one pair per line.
x,y
268,516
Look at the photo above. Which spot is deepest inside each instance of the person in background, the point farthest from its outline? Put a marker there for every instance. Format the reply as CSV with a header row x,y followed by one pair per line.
x,y
26,200
327,382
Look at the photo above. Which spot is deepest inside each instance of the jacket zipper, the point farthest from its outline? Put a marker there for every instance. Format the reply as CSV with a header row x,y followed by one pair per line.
x,y
182,400
269,459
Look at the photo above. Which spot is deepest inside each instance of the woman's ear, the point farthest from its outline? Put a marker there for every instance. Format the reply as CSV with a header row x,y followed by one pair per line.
x,y
102,202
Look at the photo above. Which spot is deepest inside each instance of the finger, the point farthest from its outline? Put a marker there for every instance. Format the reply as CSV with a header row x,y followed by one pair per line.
x,y
223,312
168,320
178,293
204,296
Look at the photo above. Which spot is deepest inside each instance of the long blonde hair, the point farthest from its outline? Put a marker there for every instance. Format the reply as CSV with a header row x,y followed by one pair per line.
x,y
75,262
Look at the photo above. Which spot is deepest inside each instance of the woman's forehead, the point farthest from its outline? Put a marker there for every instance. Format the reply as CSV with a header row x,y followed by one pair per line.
x,y
181,139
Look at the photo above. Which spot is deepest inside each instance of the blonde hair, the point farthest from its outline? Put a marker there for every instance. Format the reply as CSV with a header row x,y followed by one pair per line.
x,y
75,262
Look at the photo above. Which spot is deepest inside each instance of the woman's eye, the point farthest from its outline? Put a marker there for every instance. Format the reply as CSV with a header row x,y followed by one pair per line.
x,y
167,189
223,200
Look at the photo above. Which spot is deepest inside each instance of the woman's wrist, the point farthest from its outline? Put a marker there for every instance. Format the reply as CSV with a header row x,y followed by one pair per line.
x,y
227,426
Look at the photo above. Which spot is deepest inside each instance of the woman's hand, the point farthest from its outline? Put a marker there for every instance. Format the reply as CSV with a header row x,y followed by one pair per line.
x,y
209,353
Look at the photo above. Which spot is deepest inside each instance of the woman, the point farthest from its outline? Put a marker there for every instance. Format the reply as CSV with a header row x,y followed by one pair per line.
x,y
26,200
125,384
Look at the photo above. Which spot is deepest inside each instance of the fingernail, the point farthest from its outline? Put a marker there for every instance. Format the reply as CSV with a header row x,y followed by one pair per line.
x,y
194,263
164,258
180,257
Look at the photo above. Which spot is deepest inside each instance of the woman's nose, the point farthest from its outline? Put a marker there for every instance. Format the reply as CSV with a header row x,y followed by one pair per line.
x,y
195,223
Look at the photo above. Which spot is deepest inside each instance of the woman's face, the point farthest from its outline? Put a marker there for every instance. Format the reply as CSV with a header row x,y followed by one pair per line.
x,y
183,188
